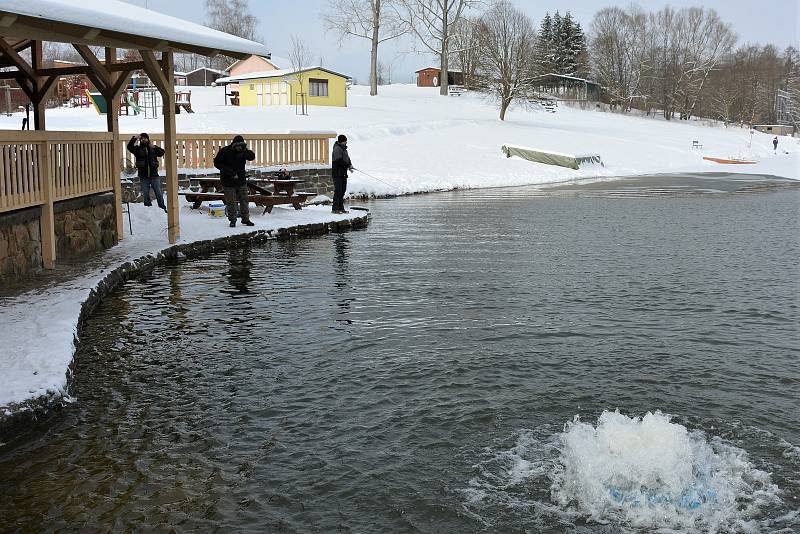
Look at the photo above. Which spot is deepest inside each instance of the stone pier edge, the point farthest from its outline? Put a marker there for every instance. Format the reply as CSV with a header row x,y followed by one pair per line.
x,y
42,407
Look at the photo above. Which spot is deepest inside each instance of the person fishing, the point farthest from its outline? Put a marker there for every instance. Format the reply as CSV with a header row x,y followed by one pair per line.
x,y
231,160
340,164
147,155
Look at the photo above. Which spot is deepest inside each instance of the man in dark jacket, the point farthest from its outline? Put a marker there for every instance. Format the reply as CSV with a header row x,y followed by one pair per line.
x,y
230,161
340,163
147,155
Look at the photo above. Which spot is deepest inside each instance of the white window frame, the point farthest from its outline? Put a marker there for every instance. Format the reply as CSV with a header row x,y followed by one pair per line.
x,y
318,83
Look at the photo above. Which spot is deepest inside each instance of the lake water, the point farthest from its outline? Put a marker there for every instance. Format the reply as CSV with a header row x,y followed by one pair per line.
x,y
425,374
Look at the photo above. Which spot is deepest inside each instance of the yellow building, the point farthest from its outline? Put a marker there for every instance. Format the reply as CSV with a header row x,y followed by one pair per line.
x,y
321,87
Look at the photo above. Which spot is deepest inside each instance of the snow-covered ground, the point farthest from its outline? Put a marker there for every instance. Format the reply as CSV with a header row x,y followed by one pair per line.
x,y
410,139
38,327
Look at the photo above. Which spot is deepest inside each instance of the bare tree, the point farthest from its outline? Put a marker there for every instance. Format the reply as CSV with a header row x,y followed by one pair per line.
x,y
234,17
434,22
366,19
466,53
619,50
300,59
507,42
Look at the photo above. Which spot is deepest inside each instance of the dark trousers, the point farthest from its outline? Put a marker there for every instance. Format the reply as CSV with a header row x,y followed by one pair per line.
x,y
153,182
236,196
339,188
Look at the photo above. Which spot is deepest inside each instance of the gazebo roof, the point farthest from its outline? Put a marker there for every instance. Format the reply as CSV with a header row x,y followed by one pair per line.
x,y
115,24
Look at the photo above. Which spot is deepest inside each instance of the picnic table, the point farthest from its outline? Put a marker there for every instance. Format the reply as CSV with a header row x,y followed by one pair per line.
x,y
282,193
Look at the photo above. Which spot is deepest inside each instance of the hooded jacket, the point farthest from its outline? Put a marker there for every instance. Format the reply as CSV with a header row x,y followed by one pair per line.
x,y
146,157
231,163
340,160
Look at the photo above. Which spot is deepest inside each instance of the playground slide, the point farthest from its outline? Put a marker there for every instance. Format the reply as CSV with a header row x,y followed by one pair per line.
x,y
99,102
133,105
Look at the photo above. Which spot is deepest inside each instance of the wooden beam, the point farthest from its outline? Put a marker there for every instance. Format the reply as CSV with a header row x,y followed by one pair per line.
x,y
7,20
40,88
15,59
25,84
129,66
65,71
153,70
121,83
98,68
170,144
46,87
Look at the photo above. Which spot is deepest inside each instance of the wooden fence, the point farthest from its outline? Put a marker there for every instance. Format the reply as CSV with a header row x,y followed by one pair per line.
x,y
76,163
197,151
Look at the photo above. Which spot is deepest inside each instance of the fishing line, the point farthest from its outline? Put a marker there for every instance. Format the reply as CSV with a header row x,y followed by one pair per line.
x,y
378,179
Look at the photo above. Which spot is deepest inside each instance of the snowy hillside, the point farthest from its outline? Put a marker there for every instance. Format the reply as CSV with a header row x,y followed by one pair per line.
x,y
415,140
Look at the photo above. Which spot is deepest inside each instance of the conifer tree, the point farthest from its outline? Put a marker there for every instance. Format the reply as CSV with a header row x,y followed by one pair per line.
x,y
544,46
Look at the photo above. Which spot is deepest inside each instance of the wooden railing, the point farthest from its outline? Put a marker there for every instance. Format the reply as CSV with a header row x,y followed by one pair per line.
x,y
197,151
78,164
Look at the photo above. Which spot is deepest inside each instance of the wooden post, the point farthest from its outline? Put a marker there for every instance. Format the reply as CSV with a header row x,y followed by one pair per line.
x,y
112,122
39,103
47,220
170,157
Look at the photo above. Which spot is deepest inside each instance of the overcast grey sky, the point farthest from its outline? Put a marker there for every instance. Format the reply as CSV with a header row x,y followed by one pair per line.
x,y
774,21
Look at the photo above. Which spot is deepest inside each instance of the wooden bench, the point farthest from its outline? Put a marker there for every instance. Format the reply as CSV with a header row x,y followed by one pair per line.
x,y
265,199
696,144
455,90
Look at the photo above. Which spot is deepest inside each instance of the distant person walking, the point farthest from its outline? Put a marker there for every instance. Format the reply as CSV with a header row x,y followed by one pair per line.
x,y
775,144
340,163
147,155
231,160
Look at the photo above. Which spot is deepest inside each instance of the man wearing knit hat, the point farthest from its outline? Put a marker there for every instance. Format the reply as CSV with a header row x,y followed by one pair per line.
x,y
340,164
231,160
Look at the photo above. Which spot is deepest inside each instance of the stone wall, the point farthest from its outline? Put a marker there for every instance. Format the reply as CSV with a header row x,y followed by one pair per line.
x,y
84,225
20,244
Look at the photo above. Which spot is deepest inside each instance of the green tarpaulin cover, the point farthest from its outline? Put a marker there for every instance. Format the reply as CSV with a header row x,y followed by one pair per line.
x,y
570,161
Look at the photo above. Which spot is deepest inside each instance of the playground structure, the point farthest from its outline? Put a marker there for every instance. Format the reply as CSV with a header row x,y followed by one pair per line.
x,y
141,100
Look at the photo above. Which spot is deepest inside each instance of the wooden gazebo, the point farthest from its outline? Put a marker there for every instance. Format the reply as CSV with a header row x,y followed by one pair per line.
x,y
40,172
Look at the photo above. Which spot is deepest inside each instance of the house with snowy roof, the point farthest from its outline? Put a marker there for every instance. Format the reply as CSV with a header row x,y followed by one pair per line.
x,y
203,76
257,64
318,85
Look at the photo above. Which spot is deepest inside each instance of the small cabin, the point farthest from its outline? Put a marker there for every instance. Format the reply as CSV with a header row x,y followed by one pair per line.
x,y
567,88
431,77
774,129
203,77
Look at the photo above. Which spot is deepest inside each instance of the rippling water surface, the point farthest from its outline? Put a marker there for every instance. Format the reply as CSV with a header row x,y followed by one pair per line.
x,y
417,376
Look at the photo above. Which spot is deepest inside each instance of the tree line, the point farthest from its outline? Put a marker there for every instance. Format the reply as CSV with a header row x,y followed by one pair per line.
x,y
679,63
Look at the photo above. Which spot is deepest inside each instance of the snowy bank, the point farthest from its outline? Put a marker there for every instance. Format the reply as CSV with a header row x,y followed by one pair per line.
x,y
409,139
40,326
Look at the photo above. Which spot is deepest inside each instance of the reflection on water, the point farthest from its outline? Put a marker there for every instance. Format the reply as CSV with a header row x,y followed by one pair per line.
x,y
417,376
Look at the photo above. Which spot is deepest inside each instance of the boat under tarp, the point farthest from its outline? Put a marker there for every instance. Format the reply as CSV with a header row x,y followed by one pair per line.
x,y
548,157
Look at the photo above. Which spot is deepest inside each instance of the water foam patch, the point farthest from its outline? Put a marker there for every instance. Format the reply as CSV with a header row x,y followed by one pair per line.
x,y
651,472
628,472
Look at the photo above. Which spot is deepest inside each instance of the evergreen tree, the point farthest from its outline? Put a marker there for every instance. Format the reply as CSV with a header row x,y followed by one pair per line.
x,y
544,46
556,49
